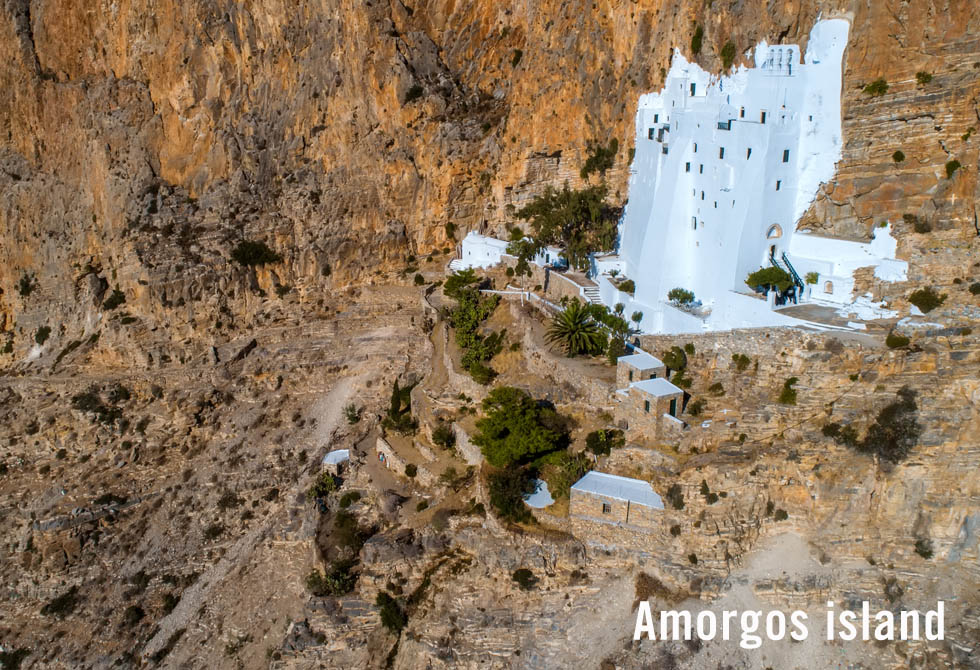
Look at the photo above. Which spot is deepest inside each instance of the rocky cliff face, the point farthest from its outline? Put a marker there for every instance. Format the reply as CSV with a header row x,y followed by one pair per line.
x,y
348,134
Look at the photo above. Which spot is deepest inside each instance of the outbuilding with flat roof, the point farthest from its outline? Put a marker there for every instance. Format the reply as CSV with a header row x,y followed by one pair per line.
x,y
637,367
599,496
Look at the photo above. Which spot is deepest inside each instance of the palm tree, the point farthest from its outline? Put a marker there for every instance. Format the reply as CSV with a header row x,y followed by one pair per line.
x,y
575,330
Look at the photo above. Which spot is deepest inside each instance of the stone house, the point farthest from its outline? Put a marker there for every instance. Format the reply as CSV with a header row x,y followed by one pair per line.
x,y
648,407
616,500
638,367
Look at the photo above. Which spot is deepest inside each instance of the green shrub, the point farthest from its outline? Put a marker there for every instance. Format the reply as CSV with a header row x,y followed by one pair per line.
x,y
392,615
675,530
399,415
716,389
845,435
507,489
728,54
951,168
896,430
250,253
675,358
923,77
601,442
26,284
812,277
696,407
600,158
681,296
689,348
781,515
697,40
324,485
769,278
411,470
675,496
927,299
628,286
132,615
614,350
517,428
63,605
741,362
524,578
923,548
42,334
419,279
788,395
114,300
975,288
898,156
213,531
876,88
443,436
8,347
414,92
692,558
352,413
896,340
422,506
349,499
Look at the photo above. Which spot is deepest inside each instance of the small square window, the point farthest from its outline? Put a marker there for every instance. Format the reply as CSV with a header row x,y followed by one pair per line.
x,y
606,508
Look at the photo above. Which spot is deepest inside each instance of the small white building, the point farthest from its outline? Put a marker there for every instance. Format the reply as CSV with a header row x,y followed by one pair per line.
x,y
612,499
480,251
336,460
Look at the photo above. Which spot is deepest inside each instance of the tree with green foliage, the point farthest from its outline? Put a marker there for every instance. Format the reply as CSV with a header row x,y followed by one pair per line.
x,y
507,488
876,88
472,308
601,158
518,429
681,296
768,279
459,281
576,331
579,221
675,358
561,469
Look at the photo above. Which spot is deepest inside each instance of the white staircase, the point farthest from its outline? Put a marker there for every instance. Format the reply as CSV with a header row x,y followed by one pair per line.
x,y
457,265
592,294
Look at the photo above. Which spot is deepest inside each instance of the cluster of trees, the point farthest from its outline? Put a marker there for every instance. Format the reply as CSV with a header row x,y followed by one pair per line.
x,y
472,309
523,438
399,415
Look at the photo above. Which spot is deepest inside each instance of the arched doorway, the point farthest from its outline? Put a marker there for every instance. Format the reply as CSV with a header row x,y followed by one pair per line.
x,y
828,287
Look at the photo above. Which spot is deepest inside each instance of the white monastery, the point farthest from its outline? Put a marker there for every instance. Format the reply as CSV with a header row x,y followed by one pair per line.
x,y
724,169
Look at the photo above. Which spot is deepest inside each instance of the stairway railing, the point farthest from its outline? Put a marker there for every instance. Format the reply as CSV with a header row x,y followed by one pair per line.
x,y
792,271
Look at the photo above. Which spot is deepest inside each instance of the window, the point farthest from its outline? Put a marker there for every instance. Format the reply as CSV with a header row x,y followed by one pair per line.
x,y
702,195
741,113
778,184
692,88
786,155
828,287
656,118
716,204
775,232
701,169
748,153
650,133
721,152
687,167
606,508
694,222
631,375
646,403
695,147
673,406
762,116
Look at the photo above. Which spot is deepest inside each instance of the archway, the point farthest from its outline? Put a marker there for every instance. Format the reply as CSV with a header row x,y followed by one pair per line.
x,y
775,232
828,287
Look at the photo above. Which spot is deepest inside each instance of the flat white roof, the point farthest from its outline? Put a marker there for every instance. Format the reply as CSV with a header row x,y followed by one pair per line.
x,y
657,387
620,488
642,361
337,456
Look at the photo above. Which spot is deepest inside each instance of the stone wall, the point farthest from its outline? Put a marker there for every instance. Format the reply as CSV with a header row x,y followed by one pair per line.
x,y
620,512
623,370
643,424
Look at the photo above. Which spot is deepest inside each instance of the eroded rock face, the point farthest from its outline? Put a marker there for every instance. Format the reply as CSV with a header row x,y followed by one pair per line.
x,y
348,135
